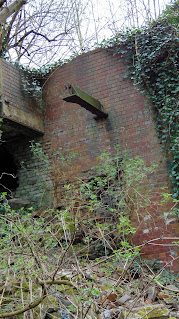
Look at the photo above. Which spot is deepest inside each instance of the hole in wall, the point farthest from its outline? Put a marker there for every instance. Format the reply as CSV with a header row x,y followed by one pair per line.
x,y
8,171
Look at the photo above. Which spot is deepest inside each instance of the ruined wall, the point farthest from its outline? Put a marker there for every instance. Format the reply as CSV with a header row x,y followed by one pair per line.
x,y
22,123
11,86
70,129
19,109
34,184
74,140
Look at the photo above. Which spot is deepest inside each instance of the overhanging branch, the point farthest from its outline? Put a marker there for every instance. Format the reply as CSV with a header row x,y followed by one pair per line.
x,y
13,7
38,34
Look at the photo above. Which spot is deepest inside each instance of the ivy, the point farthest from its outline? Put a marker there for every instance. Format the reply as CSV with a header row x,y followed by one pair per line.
x,y
33,79
152,56
31,83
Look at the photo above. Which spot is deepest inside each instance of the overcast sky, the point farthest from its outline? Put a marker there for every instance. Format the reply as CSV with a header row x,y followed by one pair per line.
x,y
95,20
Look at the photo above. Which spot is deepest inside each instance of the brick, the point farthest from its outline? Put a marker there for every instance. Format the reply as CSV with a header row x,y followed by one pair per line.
x,y
130,124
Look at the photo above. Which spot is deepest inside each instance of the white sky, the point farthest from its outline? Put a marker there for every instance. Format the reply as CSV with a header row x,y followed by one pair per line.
x,y
95,20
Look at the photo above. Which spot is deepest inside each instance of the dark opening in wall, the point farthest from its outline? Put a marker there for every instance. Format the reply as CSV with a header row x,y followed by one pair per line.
x,y
8,171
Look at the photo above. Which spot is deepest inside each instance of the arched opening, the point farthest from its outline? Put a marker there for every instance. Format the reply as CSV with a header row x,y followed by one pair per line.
x,y
8,171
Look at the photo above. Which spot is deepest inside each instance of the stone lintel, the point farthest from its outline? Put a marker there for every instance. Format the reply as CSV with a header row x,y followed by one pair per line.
x,y
25,119
75,95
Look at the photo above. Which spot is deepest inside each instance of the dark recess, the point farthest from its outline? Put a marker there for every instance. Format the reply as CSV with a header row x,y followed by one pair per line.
x,y
8,183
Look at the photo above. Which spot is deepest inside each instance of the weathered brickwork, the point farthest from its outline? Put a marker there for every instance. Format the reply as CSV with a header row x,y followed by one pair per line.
x,y
18,107
11,86
34,183
70,129
74,140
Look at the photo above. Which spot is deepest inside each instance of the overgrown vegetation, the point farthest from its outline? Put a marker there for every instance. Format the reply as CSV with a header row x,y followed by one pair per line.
x,y
33,79
71,262
75,261
152,56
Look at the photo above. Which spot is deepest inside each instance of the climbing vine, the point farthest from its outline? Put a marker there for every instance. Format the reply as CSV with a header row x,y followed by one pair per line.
x,y
31,84
33,79
152,56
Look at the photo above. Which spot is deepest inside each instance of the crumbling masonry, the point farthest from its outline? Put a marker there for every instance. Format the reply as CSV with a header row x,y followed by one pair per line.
x,y
66,128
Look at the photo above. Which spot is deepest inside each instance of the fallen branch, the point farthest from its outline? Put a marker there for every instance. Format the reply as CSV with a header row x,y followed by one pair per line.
x,y
26,308
56,282
160,285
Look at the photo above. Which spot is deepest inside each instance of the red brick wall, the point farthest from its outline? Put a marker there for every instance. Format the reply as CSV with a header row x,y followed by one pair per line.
x,y
11,88
72,129
16,134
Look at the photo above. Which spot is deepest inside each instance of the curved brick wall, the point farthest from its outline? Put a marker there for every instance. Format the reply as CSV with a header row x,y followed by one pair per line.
x,y
71,129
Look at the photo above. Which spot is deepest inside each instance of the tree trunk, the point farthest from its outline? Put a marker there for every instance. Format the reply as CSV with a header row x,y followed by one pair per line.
x,y
7,11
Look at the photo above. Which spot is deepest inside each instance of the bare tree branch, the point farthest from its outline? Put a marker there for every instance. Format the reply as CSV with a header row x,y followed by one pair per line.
x,y
39,34
33,29
8,31
26,308
7,11
2,2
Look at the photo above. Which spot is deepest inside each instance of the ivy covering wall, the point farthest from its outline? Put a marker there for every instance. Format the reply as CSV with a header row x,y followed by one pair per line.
x,y
152,56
